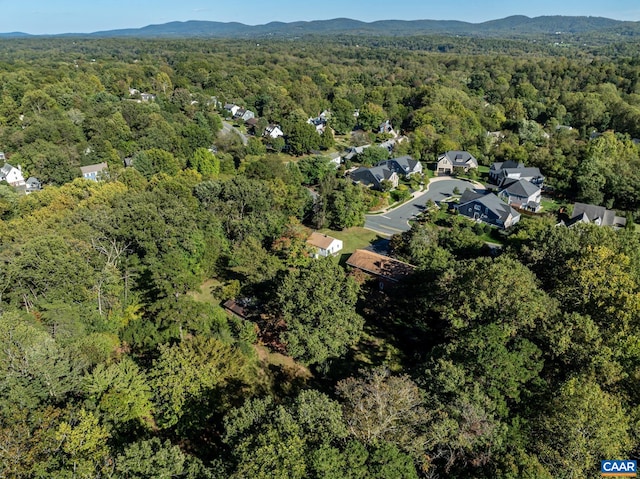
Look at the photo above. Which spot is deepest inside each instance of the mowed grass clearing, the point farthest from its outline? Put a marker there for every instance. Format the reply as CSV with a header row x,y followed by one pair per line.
x,y
353,238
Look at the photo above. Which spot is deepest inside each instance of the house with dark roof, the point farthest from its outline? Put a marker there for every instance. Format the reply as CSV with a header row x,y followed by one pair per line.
x,y
592,214
495,168
387,270
521,194
455,159
530,174
373,177
404,165
488,208
252,125
238,308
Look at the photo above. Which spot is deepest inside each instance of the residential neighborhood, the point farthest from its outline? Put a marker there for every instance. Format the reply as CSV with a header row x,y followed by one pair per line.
x,y
335,248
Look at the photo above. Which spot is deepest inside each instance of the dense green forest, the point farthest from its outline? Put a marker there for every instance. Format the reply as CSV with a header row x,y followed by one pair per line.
x,y
117,360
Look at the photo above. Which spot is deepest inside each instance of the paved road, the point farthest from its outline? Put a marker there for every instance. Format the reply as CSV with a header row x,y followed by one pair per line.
x,y
397,220
228,128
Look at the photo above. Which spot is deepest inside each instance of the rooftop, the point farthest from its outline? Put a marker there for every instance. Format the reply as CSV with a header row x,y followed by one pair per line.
x,y
379,265
320,240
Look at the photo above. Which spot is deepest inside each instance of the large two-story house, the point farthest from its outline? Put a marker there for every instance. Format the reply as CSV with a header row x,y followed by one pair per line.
x,y
521,194
488,208
496,168
450,160
374,177
530,174
404,165
598,215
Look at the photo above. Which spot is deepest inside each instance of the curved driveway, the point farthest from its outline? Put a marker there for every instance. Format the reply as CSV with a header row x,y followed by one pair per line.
x,y
397,220
228,128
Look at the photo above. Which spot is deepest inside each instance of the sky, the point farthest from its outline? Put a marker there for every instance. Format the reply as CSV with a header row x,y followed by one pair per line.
x,y
86,16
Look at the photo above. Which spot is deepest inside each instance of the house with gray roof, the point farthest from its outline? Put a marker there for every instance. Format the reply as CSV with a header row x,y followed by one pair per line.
x,y
521,194
243,114
488,208
404,165
531,174
355,151
495,168
373,177
455,159
32,184
592,214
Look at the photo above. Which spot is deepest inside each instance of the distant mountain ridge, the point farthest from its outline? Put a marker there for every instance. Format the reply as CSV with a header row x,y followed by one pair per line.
x,y
514,25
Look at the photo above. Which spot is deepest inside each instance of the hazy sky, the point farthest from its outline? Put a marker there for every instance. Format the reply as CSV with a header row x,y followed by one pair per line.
x,y
74,16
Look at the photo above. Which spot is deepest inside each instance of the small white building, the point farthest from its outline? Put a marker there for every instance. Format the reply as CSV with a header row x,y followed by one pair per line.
x,y
324,245
273,131
231,107
12,175
335,159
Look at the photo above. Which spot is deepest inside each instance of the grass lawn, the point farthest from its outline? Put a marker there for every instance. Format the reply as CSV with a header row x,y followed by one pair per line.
x,y
549,205
488,238
353,238
204,295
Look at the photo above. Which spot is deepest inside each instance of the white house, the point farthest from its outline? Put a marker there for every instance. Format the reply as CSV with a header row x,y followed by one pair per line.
x,y
93,172
335,159
324,245
273,131
231,107
12,175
